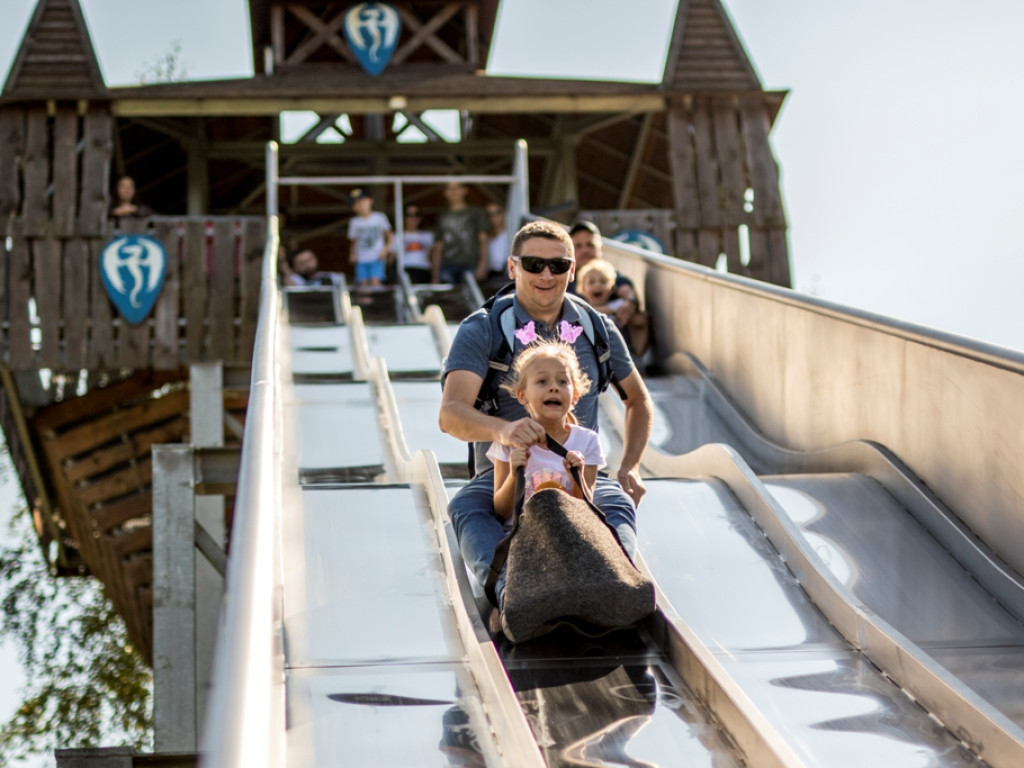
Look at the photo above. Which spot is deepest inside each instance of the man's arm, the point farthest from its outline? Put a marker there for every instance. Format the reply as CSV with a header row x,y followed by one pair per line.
x,y
638,421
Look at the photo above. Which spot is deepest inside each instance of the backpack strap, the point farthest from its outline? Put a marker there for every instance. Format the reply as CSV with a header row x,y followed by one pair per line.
x,y
596,332
503,327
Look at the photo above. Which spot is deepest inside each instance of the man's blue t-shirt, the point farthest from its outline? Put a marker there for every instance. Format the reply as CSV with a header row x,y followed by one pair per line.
x,y
471,351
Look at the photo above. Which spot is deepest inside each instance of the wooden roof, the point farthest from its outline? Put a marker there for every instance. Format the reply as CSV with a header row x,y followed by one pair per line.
x,y
56,59
705,54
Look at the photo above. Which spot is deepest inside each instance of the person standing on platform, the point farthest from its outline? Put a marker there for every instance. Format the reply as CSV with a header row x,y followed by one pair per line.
x,y
371,241
497,248
416,245
126,206
461,241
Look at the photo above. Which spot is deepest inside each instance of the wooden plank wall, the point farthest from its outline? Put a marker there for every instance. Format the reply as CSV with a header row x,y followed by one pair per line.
x,y
54,178
726,185
97,450
207,308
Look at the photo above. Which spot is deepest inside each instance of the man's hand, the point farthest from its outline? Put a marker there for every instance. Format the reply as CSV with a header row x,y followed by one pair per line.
x,y
522,433
631,483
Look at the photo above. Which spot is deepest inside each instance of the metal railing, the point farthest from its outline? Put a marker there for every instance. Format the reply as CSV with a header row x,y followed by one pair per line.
x,y
245,723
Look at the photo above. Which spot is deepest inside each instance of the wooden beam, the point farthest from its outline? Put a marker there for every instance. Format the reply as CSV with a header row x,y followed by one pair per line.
x,y
424,34
277,33
270,106
416,120
593,124
639,148
323,33
314,133
473,34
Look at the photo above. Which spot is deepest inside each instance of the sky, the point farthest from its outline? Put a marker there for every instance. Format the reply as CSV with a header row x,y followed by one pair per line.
x,y
898,143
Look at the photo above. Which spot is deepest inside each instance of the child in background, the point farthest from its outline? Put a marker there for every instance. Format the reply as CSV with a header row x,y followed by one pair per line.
x,y
547,380
595,282
416,246
369,233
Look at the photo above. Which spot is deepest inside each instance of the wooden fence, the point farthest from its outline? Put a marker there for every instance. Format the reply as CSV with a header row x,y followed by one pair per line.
x,y
57,315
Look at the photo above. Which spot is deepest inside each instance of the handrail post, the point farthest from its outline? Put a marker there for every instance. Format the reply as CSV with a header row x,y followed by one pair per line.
x,y
272,178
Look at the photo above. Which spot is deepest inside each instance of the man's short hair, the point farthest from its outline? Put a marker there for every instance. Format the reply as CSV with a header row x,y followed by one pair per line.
x,y
549,230
584,226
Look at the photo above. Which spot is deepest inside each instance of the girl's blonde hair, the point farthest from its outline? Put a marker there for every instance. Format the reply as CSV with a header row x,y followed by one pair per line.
x,y
559,350
597,265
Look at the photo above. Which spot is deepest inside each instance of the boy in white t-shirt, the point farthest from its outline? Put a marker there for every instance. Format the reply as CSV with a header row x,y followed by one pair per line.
x,y
371,240
547,380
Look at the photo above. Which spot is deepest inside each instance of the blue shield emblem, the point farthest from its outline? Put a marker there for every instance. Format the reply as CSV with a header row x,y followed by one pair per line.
x,y
372,33
132,268
644,240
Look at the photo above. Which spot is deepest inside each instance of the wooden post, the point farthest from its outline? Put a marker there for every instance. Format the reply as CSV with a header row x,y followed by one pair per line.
x,y
175,724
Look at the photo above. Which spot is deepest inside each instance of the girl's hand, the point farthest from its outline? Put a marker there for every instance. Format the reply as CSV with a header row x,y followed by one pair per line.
x,y
574,459
518,458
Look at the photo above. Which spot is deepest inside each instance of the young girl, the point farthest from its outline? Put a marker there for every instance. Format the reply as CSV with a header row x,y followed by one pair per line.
x,y
595,282
547,380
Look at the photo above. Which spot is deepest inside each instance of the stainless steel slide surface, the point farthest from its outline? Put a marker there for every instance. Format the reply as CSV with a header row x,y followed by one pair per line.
x,y
377,665
816,608
373,643
723,578
376,674
882,550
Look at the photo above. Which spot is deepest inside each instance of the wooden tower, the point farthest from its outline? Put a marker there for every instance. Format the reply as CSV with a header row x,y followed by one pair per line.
x,y
85,395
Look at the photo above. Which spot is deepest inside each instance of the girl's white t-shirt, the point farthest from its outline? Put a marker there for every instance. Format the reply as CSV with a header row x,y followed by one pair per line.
x,y
544,466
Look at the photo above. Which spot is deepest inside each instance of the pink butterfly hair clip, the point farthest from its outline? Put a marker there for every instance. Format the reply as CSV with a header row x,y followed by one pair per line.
x,y
568,332
527,333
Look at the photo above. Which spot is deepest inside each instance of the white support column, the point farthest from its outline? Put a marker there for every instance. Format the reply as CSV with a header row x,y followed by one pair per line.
x,y
174,590
206,382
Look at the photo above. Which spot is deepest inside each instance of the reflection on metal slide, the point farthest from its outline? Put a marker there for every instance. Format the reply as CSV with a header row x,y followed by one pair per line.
x,y
381,624
733,553
815,608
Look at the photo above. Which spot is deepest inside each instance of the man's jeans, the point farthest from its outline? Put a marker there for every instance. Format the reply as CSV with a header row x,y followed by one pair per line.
x,y
479,530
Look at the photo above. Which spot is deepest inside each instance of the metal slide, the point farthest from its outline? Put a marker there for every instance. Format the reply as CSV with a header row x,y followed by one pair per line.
x,y
387,661
815,609
821,586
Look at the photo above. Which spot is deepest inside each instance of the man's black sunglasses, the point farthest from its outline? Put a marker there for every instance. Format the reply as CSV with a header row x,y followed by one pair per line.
x,y
535,264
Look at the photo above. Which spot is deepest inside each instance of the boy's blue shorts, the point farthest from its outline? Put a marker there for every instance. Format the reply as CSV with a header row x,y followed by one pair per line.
x,y
367,270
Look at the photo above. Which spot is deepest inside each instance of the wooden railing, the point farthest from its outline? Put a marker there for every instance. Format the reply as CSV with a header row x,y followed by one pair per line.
x,y
56,313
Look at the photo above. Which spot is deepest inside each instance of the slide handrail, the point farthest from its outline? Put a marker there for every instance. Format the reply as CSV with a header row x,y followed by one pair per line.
x,y
245,712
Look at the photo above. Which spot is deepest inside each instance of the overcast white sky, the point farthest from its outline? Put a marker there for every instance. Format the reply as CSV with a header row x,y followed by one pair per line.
x,y
898,143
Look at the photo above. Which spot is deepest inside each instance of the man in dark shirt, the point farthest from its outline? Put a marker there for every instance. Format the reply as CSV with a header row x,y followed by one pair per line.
x,y
461,242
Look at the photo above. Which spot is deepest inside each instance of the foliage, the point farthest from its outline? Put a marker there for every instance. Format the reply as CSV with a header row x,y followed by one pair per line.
x,y
87,686
168,67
